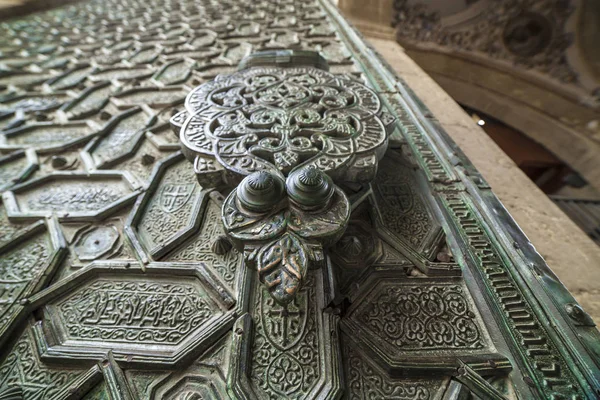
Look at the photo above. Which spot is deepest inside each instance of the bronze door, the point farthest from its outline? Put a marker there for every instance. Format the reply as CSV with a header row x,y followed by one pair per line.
x,y
197,205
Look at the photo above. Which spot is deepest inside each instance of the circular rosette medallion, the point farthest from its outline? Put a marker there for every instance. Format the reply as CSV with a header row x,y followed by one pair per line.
x,y
266,118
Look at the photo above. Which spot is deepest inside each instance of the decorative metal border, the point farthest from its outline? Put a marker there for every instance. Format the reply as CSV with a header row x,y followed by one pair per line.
x,y
568,363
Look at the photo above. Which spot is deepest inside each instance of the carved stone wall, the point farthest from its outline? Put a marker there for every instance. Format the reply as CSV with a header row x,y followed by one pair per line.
x,y
528,64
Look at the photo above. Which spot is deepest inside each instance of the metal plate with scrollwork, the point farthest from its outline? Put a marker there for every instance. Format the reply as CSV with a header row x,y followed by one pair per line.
x,y
238,199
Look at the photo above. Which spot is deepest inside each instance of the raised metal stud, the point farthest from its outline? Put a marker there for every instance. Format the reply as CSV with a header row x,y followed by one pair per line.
x,y
260,191
310,188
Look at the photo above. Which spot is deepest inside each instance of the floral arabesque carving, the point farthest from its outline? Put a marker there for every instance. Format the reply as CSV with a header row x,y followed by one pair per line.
x,y
283,119
422,317
283,135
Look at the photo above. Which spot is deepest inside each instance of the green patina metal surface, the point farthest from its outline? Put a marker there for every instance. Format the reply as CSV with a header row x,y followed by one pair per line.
x,y
182,221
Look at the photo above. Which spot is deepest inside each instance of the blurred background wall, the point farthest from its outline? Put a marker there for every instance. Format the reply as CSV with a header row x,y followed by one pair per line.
x,y
526,71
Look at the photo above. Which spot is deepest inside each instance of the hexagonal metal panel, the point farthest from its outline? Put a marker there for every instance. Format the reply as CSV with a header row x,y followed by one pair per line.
x,y
24,376
157,314
153,97
17,167
367,380
120,138
402,214
170,210
47,137
89,101
229,267
70,196
34,102
27,263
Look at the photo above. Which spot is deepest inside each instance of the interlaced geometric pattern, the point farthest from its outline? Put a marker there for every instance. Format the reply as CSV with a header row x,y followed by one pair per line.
x,y
116,278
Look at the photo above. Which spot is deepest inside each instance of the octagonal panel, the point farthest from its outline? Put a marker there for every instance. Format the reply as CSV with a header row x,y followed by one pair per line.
x,y
70,196
119,310
160,314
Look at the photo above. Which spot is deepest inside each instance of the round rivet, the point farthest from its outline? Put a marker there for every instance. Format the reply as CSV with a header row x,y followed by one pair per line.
x,y
310,188
221,245
58,162
148,159
575,312
350,245
260,191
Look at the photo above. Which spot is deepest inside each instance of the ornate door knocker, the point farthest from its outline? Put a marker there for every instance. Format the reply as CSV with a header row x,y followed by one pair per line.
x,y
283,131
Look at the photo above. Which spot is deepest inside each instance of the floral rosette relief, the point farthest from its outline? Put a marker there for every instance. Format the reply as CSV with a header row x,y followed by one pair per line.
x,y
282,136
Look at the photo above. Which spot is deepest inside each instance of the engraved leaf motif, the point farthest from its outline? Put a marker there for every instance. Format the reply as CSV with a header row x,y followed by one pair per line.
x,y
282,266
286,375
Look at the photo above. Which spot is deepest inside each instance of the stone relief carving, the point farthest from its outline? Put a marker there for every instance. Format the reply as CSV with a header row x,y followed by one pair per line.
x,y
531,34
